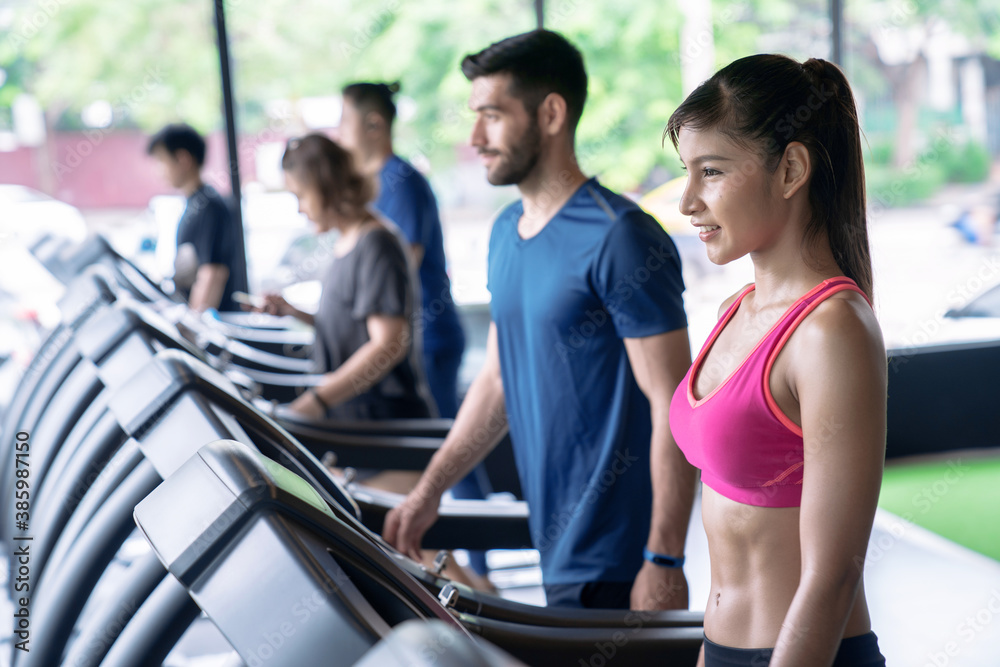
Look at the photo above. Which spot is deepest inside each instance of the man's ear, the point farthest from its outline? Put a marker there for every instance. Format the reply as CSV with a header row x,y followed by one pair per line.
x,y
552,114
184,158
373,121
795,168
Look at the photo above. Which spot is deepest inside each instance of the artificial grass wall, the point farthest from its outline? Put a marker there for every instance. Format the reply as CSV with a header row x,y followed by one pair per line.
x,y
957,498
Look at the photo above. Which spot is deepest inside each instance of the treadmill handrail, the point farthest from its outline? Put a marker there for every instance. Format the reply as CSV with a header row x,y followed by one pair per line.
x,y
398,452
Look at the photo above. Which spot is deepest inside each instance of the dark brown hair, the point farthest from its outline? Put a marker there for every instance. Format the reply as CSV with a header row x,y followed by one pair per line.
x,y
316,161
373,97
539,62
764,102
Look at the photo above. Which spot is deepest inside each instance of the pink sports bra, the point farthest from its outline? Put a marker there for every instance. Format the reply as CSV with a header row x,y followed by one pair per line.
x,y
745,446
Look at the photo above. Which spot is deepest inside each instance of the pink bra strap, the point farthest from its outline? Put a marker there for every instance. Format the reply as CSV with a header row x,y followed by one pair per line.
x,y
836,285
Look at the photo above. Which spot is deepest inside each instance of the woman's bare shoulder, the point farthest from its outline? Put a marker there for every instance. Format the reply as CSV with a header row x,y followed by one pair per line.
x,y
729,301
845,325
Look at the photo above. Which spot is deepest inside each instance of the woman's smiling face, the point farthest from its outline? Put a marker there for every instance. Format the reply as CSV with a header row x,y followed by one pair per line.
x,y
730,195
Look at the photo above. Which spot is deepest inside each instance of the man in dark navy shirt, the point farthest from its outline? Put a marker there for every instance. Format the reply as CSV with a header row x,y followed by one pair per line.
x,y
587,345
211,261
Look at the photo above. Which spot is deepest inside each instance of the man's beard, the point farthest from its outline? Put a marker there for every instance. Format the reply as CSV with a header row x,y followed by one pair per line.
x,y
521,160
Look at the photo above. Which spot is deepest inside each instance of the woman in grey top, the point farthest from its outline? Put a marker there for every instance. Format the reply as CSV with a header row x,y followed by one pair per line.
x,y
364,335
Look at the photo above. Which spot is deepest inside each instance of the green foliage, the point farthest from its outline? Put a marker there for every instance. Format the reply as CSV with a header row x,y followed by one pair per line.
x,y
967,163
631,51
891,186
153,61
421,45
943,162
156,61
880,153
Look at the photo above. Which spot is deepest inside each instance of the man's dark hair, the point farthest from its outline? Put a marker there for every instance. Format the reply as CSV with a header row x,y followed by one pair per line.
x,y
377,97
179,137
539,62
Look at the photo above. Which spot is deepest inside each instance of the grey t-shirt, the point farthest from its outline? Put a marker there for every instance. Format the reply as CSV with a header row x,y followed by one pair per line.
x,y
373,278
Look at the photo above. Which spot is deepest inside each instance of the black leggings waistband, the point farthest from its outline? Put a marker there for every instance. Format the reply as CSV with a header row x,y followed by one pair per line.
x,y
860,651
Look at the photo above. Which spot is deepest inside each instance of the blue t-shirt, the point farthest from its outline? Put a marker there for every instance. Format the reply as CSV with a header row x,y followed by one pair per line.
x,y
406,198
601,270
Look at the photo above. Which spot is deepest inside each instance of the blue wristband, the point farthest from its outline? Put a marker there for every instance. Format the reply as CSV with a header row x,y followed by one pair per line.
x,y
661,559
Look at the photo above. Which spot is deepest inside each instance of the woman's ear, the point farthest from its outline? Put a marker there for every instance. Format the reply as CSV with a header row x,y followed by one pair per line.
x,y
796,168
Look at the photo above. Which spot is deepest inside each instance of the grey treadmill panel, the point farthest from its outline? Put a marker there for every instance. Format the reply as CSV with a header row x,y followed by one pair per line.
x,y
246,537
137,402
433,644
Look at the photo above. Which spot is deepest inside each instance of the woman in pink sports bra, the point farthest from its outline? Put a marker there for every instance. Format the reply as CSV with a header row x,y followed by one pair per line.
x,y
784,408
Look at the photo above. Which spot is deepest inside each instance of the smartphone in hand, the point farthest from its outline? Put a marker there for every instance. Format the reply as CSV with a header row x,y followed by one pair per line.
x,y
248,299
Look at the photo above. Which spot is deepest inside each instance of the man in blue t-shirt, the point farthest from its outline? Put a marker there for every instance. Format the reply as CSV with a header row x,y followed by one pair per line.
x,y
405,197
211,260
587,344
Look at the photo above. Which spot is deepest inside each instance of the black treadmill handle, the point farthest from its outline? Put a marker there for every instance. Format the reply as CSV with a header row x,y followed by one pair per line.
x,y
427,427
461,524
383,452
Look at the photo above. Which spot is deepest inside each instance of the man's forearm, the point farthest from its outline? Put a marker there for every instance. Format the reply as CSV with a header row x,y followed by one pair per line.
x,y
480,424
209,286
674,483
